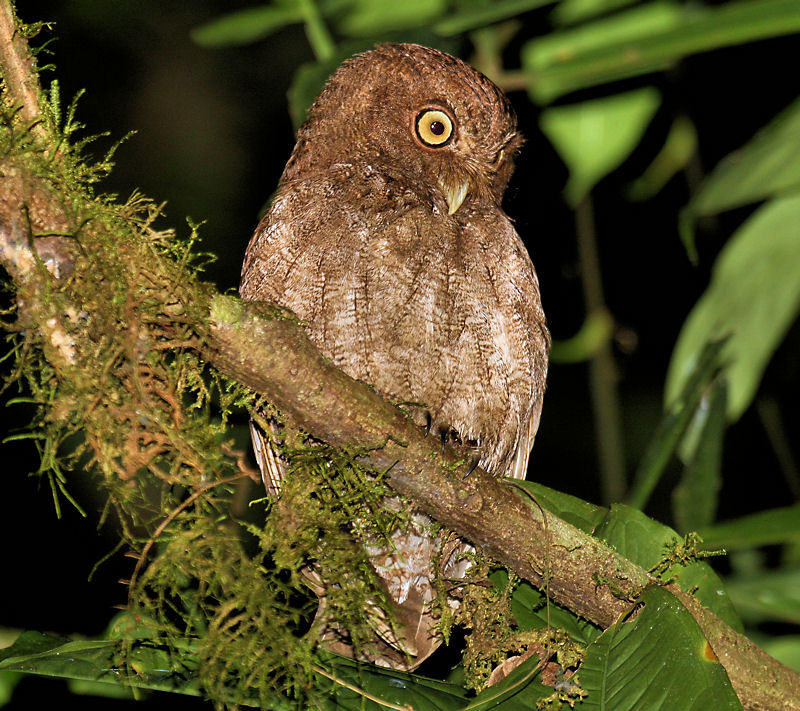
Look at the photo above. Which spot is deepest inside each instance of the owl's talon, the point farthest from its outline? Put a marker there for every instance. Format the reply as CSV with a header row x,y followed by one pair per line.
x,y
443,435
473,465
428,423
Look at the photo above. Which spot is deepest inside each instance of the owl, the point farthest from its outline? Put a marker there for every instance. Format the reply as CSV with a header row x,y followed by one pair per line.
x,y
387,239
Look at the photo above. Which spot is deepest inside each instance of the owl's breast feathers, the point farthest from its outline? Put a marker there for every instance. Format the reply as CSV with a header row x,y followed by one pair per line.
x,y
424,306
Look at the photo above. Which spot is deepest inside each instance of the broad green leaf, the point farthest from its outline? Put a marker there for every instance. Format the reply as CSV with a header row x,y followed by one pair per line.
x,y
646,39
753,298
594,333
306,84
594,137
635,536
759,529
694,500
548,60
96,661
672,426
84,687
479,13
251,24
680,146
309,79
367,18
569,12
356,682
770,596
646,542
247,25
8,682
656,661
786,649
767,165
581,514
532,611
519,691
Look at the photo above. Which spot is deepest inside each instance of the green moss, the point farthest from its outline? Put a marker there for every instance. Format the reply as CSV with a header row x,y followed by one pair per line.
x,y
141,413
135,408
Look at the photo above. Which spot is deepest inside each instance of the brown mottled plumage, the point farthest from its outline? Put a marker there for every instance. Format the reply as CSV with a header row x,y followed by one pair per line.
x,y
387,239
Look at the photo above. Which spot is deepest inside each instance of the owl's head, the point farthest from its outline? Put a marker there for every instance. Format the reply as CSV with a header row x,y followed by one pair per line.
x,y
416,113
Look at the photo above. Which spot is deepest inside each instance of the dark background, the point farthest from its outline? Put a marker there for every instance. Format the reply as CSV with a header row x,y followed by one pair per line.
x,y
212,136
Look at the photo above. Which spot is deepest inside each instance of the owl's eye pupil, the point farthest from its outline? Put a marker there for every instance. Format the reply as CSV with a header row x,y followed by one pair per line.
x,y
434,128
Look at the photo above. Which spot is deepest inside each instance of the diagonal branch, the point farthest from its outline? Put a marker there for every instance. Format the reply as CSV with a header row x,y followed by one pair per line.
x,y
19,69
264,348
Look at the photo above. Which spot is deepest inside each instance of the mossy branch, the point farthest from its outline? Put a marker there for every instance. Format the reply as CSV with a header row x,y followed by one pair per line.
x,y
53,232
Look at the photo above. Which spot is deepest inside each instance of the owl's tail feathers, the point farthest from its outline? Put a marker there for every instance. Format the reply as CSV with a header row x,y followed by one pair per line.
x,y
519,466
271,466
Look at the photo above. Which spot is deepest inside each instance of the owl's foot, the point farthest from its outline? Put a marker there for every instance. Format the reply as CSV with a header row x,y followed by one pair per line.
x,y
428,423
473,465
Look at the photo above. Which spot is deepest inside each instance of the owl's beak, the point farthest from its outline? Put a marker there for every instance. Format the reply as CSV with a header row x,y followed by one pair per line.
x,y
454,193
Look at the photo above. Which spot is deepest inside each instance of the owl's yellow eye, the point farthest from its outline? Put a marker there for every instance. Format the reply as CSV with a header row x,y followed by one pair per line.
x,y
434,128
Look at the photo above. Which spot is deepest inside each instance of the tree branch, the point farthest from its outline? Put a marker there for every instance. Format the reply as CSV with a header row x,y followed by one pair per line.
x,y
263,347
19,69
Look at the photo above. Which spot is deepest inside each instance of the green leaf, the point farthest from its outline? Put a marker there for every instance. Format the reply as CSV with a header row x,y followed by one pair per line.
x,y
753,298
766,166
388,686
786,649
553,61
368,18
770,596
310,78
479,13
680,146
646,542
532,611
646,39
8,682
581,514
672,426
694,500
569,12
96,661
759,529
635,536
594,137
656,661
594,333
247,25
519,691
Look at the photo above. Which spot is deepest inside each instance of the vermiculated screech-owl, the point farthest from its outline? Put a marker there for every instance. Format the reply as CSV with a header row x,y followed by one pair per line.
x,y
386,238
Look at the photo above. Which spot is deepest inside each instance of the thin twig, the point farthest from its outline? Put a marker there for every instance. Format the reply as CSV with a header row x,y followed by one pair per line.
x,y
602,368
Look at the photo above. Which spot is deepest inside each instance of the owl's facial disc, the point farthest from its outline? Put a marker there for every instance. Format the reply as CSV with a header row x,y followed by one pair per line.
x,y
435,128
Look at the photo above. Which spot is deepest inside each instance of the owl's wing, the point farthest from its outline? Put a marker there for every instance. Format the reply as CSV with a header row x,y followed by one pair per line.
x,y
272,468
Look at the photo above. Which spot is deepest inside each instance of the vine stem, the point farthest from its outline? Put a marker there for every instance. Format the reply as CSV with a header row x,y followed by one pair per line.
x,y
603,376
319,37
